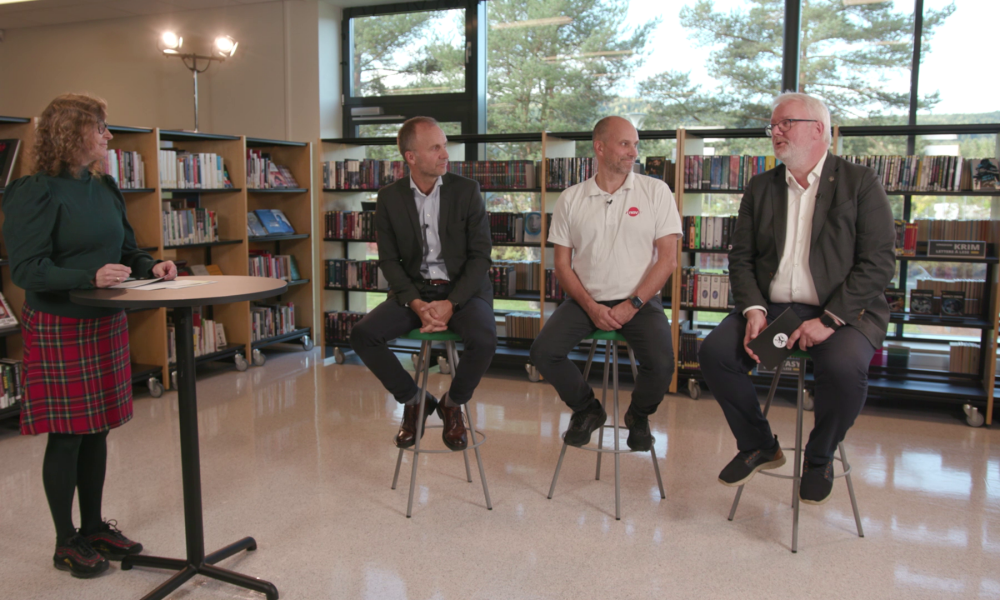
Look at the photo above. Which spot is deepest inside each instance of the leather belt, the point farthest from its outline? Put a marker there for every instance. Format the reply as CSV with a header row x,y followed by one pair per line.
x,y
436,281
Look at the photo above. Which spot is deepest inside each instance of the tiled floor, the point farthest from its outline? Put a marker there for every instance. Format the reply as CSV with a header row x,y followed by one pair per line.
x,y
300,456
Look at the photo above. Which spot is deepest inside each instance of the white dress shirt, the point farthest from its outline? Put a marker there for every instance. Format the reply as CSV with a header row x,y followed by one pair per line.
x,y
429,210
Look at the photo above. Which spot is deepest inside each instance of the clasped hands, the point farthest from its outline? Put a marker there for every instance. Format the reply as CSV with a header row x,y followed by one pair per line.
x,y
808,334
611,318
434,316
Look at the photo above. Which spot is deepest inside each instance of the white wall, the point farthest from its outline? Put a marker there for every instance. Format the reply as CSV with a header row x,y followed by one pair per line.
x,y
270,89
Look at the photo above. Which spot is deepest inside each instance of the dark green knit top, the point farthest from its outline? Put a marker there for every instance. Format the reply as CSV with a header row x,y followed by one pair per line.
x,y
59,231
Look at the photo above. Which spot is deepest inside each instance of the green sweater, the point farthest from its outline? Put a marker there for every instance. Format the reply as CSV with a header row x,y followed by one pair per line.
x,y
59,231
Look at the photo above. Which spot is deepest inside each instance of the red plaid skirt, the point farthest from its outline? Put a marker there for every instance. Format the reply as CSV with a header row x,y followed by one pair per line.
x,y
77,376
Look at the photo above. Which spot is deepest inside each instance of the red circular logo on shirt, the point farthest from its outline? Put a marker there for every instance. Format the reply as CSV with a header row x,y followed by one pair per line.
x,y
633,212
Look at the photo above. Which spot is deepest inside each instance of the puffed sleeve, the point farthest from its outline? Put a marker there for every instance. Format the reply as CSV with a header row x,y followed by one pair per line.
x,y
30,217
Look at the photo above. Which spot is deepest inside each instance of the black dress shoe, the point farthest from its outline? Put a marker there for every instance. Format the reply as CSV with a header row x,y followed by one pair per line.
x,y
817,482
407,435
583,423
639,437
454,434
746,464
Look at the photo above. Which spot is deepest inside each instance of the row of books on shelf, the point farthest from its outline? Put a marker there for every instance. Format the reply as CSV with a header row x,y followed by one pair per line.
x,y
688,348
209,335
517,228
126,168
268,221
278,266
349,225
504,281
497,174
11,382
338,325
708,233
264,173
972,229
564,172
193,170
269,320
362,174
729,172
362,275
522,325
183,226
705,289
931,173
553,291
526,273
946,298
963,357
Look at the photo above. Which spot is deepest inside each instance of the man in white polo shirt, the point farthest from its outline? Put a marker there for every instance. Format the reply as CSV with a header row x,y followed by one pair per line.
x,y
615,238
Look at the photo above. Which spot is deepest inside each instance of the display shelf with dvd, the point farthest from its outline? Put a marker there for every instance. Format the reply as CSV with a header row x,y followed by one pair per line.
x,y
279,179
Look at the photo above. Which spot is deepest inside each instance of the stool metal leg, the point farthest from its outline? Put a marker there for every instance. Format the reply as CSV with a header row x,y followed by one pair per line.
x,y
767,407
555,476
618,471
416,375
562,453
604,405
426,351
797,473
453,357
850,489
652,451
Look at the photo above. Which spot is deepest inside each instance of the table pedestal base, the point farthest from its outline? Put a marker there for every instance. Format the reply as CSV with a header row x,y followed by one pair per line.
x,y
186,569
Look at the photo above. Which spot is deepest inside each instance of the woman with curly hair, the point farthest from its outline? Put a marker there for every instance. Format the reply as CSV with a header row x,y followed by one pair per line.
x,y
65,229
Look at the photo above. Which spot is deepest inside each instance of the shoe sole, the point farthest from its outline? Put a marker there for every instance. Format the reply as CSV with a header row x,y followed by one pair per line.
x,y
817,502
774,464
116,555
65,567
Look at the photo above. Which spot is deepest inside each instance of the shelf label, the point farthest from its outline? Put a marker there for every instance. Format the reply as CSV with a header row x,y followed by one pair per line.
x,y
963,248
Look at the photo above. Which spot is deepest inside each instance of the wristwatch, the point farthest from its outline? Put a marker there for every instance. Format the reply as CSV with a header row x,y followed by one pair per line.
x,y
636,302
829,321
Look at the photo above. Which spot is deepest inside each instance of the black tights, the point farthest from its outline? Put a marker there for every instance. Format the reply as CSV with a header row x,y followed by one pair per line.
x,y
75,462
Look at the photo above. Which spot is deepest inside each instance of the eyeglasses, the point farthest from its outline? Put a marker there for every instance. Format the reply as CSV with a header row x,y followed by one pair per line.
x,y
101,127
784,125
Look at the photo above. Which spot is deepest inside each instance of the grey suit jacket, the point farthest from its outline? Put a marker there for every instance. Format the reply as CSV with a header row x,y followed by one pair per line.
x,y
851,254
464,228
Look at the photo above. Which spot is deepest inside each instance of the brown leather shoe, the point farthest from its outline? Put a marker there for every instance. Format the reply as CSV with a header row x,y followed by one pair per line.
x,y
454,427
407,435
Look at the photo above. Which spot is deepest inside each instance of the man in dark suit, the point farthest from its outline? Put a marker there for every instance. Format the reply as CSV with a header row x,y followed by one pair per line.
x,y
434,248
814,235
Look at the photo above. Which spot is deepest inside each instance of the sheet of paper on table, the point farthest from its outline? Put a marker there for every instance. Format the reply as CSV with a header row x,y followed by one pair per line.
x,y
176,284
131,283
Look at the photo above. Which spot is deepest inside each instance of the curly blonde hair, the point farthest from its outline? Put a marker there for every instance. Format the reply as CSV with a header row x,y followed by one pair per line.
x,y
62,131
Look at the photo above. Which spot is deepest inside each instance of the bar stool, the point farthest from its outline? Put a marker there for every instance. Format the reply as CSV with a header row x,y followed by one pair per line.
x,y
423,367
611,339
796,477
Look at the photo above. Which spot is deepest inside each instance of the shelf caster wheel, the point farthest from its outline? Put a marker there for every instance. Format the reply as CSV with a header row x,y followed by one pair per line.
x,y
155,387
807,400
338,356
258,358
241,362
173,378
443,365
972,416
533,375
694,389
307,343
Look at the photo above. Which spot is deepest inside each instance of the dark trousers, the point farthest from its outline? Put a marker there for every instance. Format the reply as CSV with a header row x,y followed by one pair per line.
x,y
474,322
840,370
648,334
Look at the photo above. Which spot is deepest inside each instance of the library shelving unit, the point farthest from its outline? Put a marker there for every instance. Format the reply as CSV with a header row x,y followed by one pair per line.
x,y
975,391
296,204
10,339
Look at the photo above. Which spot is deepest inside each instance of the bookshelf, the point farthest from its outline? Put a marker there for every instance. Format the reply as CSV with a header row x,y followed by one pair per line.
x,y
10,339
974,391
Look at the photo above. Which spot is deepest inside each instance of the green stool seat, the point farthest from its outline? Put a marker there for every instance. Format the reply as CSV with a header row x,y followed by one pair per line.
x,y
611,341
796,476
439,336
607,336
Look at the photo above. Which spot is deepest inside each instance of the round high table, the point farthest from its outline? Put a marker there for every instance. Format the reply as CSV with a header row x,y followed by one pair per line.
x,y
222,290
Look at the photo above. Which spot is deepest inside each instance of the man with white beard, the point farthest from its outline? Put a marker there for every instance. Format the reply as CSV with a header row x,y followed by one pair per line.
x,y
815,235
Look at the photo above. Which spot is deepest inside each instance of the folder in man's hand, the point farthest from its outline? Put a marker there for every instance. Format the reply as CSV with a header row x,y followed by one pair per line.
x,y
771,345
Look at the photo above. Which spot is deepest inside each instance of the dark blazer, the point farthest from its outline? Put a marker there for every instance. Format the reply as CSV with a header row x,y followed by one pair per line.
x,y
851,254
465,240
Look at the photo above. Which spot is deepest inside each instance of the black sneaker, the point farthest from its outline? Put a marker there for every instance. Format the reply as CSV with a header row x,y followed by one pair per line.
x,y
639,437
817,482
583,423
745,464
77,556
112,543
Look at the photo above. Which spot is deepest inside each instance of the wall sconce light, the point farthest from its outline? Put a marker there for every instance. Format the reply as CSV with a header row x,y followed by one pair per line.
x,y
172,44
